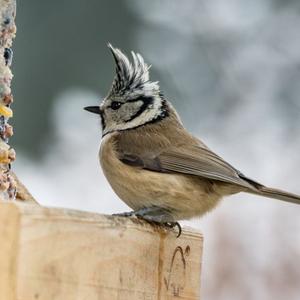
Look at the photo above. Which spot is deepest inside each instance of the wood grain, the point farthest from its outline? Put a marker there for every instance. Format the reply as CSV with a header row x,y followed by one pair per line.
x,y
9,239
59,254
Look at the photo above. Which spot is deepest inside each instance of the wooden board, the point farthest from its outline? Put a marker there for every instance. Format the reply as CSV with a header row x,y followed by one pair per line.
x,y
59,254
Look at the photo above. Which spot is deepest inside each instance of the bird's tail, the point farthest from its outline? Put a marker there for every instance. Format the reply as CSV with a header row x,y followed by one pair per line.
x,y
276,194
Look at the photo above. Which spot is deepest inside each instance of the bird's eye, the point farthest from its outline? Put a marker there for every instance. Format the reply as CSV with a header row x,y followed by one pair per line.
x,y
115,105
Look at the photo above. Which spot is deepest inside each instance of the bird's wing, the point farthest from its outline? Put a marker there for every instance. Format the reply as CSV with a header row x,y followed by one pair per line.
x,y
193,160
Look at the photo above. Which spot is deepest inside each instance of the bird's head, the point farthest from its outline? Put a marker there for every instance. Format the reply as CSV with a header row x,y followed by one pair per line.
x,y
133,100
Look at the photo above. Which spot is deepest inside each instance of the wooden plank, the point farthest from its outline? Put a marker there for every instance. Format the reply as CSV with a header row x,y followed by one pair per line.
x,y
9,231
65,254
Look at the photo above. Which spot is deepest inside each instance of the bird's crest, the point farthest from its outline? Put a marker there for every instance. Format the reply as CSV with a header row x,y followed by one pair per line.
x,y
131,76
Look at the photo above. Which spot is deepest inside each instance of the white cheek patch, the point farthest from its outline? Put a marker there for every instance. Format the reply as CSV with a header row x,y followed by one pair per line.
x,y
150,113
130,109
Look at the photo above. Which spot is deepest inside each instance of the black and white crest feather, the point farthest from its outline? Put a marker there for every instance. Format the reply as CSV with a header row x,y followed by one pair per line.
x,y
131,76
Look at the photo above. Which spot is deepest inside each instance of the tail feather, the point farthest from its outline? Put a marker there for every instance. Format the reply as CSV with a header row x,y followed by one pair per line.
x,y
277,194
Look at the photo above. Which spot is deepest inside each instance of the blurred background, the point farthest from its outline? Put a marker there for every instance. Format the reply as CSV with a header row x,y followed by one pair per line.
x,y
230,67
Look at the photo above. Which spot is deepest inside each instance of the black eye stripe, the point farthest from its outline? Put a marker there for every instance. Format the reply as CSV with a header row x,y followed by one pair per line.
x,y
116,104
142,98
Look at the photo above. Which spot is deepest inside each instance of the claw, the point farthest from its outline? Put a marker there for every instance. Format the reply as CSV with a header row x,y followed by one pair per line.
x,y
174,224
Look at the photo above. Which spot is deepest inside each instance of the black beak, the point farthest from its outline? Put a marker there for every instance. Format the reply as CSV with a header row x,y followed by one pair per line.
x,y
93,109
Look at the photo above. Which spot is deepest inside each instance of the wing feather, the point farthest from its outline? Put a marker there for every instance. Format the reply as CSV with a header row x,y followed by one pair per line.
x,y
201,162
193,160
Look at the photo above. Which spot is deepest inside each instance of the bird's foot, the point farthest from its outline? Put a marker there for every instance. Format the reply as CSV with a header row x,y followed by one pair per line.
x,y
154,215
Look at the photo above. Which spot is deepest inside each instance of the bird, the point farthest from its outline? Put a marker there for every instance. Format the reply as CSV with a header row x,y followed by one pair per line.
x,y
159,169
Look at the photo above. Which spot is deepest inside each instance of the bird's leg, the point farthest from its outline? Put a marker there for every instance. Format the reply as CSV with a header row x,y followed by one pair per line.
x,y
156,215
124,214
